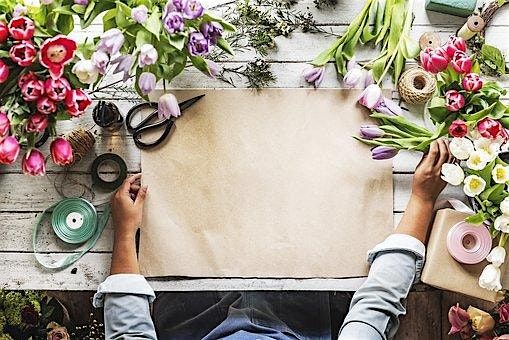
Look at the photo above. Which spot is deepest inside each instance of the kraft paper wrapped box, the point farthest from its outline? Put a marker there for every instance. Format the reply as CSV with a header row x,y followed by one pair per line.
x,y
441,270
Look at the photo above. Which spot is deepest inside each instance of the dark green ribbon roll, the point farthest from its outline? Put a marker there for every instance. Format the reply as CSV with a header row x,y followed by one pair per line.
x,y
74,221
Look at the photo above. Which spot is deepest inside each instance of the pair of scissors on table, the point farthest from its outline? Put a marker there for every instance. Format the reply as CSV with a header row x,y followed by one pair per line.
x,y
152,123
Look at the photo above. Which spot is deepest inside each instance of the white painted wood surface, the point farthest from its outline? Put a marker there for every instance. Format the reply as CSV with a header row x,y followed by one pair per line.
x,y
23,197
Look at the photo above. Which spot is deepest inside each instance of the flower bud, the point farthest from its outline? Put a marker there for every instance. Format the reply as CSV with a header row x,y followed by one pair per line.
x,y
383,152
139,14
472,82
86,71
371,96
61,152
33,163
148,55
37,123
9,150
147,82
454,101
371,132
314,75
455,44
458,128
111,41
496,256
461,62
434,60
168,106
355,78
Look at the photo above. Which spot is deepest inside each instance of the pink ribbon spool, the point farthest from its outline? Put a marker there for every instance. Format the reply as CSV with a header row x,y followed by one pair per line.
x,y
469,244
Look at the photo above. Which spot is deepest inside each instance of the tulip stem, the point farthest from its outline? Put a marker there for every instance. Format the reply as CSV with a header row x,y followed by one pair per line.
x,y
503,239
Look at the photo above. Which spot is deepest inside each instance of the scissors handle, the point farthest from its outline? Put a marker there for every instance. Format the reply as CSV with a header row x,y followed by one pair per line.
x,y
134,110
168,124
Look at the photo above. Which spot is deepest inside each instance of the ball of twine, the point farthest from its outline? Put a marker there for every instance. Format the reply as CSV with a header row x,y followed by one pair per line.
x,y
82,142
416,86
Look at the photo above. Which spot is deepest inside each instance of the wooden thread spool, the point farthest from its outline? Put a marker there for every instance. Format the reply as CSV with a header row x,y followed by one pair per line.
x,y
82,142
416,86
429,39
475,24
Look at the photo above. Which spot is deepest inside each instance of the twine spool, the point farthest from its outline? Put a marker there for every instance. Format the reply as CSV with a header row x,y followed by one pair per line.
x,y
416,86
429,39
82,142
474,25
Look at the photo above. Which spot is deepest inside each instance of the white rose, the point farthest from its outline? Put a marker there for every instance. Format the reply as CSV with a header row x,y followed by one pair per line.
x,y
500,173
452,173
496,256
461,148
489,147
504,206
502,223
490,278
86,71
474,185
477,160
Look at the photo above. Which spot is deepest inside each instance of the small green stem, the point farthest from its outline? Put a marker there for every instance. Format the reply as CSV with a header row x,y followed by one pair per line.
x,y
503,239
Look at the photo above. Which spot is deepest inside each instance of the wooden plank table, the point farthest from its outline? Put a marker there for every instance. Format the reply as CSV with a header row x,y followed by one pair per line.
x,y
24,197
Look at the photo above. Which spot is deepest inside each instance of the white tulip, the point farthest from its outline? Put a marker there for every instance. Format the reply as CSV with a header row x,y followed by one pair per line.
x,y
504,206
452,173
496,256
502,223
474,185
477,160
500,173
490,278
489,147
86,71
461,148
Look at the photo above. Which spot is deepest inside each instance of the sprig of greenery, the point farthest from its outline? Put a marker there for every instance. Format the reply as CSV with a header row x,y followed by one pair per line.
x,y
491,60
321,4
257,74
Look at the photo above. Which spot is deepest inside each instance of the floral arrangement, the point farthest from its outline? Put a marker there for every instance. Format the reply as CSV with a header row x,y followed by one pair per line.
x,y
475,323
45,76
468,110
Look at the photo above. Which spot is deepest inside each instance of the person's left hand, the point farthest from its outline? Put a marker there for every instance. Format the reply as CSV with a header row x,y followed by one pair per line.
x,y
127,206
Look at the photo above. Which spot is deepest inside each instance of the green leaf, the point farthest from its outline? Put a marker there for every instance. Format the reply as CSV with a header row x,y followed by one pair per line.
x,y
153,23
89,10
410,48
479,115
62,115
225,46
228,27
65,23
200,64
478,218
79,9
437,110
486,172
492,54
143,37
63,10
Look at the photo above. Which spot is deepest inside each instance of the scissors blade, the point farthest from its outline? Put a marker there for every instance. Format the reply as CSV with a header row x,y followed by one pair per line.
x,y
190,102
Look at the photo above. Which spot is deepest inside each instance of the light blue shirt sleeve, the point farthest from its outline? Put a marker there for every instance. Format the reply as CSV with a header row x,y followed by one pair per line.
x,y
396,265
126,300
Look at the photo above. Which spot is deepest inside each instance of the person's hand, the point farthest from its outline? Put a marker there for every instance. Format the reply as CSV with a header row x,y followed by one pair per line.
x,y
127,207
427,183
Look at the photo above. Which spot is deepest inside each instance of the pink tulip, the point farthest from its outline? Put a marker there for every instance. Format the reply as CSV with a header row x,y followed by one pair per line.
x,y
454,101
458,128
26,77
32,90
168,106
490,128
371,96
4,32
23,53
61,152
5,124
46,106
33,163
461,62
472,82
434,60
77,101
455,44
37,123
9,150
21,28
503,312
459,319
56,89
4,72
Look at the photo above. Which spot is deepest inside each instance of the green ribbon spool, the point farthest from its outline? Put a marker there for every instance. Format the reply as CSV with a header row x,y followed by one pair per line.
x,y
74,221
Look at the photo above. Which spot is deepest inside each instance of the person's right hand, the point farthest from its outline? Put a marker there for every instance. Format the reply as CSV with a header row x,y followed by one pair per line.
x,y
427,183
127,206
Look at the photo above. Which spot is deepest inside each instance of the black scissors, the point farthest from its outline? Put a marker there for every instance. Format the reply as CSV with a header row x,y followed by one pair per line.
x,y
148,123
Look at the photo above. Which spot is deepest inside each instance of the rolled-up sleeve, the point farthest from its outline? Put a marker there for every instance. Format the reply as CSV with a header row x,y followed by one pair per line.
x,y
126,300
396,264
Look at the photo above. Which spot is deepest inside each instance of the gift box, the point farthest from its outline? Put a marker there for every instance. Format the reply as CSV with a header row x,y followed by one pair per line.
x,y
441,270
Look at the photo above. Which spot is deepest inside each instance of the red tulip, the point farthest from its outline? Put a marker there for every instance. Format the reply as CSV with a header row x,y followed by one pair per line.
x,y
4,72
472,82
458,128
4,32
56,89
37,123
33,163
77,101
490,128
26,77
46,106
23,53
57,52
32,90
9,150
434,60
455,44
454,101
461,62
21,28
5,124
61,152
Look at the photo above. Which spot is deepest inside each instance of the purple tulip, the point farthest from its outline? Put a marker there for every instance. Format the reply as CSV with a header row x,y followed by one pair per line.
x,y
173,6
355,77
81,2
388,107
139,14
197,44
314,75
383,152
371,96
168,106
173,22
192,9
111,41
371,131
212,31
19,10
148,55
147,82
124,63
369,80
213,69
100,60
